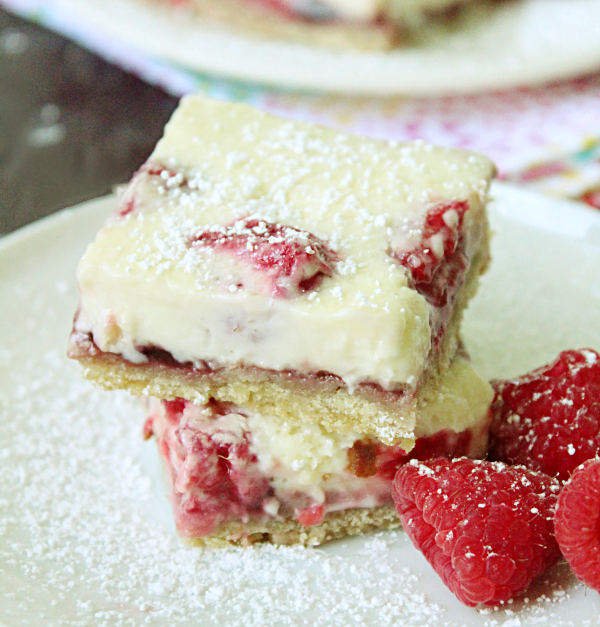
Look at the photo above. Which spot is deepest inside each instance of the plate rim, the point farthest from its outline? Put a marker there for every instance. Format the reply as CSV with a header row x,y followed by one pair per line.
x,y
20,235
416,74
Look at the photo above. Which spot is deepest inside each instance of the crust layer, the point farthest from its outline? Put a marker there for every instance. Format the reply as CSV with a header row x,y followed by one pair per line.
x,y
336,525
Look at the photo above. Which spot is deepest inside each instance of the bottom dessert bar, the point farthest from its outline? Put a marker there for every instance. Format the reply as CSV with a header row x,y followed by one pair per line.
x,y
239,477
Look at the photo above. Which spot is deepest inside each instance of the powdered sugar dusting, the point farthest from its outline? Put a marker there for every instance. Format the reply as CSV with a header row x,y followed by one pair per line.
x,y
77,509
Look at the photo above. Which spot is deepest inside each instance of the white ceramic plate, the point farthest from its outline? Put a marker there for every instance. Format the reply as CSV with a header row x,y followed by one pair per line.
x,y
524,42
86,536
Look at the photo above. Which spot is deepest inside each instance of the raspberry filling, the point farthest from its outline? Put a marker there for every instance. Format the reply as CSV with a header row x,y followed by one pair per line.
x,y
167,177
265,258
224,466
432,248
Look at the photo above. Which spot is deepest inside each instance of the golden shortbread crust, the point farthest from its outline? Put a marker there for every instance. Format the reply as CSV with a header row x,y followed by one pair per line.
x,y
350,522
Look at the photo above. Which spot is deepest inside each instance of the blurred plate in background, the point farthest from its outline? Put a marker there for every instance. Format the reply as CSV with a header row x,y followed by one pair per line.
x,y
520,42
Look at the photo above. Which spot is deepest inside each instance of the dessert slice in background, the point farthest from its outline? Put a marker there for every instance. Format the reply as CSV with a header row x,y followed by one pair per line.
x,y
298,277
362,25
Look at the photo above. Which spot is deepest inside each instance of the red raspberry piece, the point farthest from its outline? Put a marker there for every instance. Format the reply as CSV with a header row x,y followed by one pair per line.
x,y
214,474
274,259
126,207
549,419
431,252
486,528
577,523
310,515
170,178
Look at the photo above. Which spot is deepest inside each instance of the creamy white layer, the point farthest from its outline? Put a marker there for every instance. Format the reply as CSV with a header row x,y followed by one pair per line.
x,y
145,282
356,343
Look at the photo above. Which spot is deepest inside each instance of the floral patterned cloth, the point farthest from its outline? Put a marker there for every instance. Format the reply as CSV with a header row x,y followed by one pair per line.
x,y
547,138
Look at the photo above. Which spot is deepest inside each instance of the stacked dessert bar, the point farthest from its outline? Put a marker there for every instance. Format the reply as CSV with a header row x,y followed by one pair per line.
x,y
288,300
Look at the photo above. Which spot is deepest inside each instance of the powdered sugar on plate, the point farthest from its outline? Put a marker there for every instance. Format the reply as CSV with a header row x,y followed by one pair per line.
x,y
79,515
86,536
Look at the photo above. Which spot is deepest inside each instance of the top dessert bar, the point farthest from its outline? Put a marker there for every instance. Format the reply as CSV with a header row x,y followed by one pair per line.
x,y
286,267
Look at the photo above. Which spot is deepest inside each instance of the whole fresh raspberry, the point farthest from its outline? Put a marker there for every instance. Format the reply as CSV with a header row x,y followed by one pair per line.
x,y
549,419
577,522
486,528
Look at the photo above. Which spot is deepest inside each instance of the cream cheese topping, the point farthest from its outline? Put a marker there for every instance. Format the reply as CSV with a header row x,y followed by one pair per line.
x,y
143,284
461,401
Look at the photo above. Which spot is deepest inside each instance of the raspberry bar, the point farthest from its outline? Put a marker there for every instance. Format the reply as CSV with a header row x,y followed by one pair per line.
x,y
285,272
